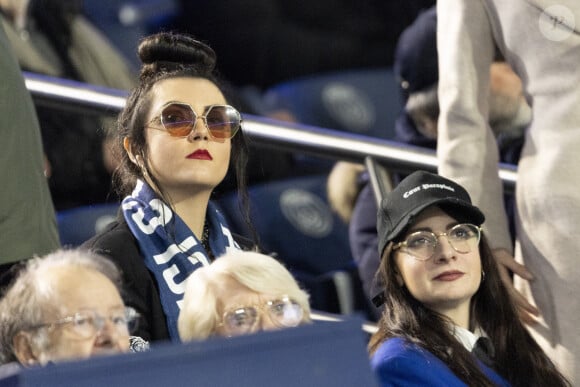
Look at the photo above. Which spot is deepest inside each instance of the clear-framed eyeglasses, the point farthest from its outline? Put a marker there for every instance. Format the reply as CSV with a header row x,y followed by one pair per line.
x,y
89,323
463,238
283,312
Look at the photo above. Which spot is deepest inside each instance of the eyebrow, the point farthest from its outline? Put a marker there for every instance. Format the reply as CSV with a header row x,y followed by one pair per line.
x,y
447,227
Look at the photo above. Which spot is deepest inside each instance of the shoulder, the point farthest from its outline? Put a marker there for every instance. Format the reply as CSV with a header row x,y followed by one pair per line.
x,y
116,242
115,235
398,349
398,362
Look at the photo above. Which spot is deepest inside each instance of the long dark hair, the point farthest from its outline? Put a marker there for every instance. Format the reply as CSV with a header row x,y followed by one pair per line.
x,y
518,358
170,55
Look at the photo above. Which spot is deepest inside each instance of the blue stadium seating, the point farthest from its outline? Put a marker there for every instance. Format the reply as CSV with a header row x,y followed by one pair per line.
x,y
294,221
316,355
77,225
365,101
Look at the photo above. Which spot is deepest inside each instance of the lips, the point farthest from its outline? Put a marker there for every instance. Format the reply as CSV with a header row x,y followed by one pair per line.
x,y
450,275
200,154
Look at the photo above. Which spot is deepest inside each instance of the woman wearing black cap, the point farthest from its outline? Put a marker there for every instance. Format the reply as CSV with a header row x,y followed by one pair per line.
x,y
448,319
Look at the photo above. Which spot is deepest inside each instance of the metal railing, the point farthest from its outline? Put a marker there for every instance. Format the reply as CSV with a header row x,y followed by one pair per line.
x,y
326,143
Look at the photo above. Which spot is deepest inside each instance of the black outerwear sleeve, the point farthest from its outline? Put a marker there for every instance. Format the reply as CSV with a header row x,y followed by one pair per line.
x,y
140,289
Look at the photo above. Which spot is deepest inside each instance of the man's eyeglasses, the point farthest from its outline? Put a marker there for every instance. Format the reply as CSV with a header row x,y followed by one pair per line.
x,y
283,312
463,238
178,119
88,324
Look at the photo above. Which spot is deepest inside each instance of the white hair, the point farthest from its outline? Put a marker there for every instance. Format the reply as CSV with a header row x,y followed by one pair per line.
x,y
258,272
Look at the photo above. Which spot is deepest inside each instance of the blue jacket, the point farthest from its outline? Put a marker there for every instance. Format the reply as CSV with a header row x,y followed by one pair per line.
x,y
399,363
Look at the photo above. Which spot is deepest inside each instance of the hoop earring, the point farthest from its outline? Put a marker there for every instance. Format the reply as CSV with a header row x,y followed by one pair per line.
x,y
482,275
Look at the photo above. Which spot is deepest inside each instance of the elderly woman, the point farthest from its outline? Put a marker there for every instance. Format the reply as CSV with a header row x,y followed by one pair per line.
x,y
66,305
241,293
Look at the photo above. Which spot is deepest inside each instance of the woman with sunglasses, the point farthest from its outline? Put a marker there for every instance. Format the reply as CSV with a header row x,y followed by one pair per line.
x,y
448,320
243,292
175,138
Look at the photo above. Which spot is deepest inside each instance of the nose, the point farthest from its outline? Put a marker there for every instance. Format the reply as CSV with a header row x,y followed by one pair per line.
x,y
105,333
444,251
199,130
266,324
110,337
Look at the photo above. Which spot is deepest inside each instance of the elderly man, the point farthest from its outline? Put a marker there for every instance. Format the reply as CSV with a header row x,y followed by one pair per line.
x,y
64,306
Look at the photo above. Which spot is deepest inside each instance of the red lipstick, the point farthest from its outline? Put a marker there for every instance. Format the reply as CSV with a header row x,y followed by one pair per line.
x,y
200,154
450,275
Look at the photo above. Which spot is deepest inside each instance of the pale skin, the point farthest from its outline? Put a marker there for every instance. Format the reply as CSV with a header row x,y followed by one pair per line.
x,y
75,289
232,295
186,182
448,280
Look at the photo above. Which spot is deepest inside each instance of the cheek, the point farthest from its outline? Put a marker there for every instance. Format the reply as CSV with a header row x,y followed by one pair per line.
x,y
407,270
477,267
222,157
61,347
158,149
224,152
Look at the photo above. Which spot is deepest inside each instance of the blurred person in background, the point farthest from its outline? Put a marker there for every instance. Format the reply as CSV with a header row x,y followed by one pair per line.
x,y
27,219
52,37
540,40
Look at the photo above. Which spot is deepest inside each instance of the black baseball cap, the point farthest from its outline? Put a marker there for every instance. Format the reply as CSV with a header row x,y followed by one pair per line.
x,y
415,193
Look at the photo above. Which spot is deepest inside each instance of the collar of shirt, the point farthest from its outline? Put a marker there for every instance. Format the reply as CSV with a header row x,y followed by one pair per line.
x,y
466,337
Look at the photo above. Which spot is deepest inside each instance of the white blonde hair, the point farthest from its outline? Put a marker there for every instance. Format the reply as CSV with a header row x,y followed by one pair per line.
x,y
258,272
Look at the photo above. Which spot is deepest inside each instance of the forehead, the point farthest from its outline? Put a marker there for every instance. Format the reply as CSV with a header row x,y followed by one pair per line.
x,y
432,218
198,92
77,288
232,294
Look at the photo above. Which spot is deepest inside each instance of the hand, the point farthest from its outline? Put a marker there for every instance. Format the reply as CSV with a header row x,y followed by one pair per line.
x,y
342,188
507,263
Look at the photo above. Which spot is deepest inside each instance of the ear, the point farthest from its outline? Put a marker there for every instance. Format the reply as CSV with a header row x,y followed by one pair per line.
x,y
128,149
400,280
24,349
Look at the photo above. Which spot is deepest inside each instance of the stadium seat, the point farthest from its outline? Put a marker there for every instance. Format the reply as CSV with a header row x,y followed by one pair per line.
x,y
365,101
76,225
313,355
294,221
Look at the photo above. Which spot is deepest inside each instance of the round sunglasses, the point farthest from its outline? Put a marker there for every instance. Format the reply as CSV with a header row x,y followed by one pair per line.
x,y
178,119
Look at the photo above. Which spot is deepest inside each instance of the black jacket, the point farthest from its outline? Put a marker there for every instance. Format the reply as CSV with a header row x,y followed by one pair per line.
x,y
140,289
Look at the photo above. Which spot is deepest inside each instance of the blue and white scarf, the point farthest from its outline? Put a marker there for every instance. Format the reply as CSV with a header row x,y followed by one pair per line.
x,y
170,249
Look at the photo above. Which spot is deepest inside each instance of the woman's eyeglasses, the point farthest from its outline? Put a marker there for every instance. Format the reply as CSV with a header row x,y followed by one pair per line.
x,y
283,312
463,238
88,324
178,119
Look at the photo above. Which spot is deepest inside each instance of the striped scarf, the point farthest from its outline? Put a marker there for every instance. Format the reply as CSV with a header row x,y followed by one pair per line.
x,y
170,250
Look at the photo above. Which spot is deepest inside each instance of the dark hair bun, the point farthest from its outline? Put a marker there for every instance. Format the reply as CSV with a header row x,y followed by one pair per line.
x,y
174,51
